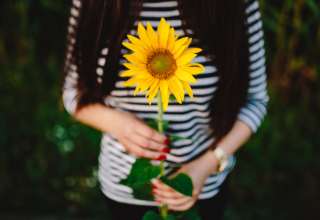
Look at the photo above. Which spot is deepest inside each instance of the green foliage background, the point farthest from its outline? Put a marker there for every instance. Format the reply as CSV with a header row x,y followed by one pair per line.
x,y
48,161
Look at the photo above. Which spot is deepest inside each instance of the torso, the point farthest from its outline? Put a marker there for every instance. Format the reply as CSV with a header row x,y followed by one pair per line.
x,y
189,119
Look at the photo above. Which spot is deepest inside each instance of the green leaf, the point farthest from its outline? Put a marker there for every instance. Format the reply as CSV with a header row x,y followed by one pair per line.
x,y
138,180
151,215
171,217
173,138
142,191
190,214
165,125
153,123
172,98
181,182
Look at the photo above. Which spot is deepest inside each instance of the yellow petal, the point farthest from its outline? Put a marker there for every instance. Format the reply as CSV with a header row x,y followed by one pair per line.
x,y
128,73
139,43
138,74
193,50
132,81
164,94
182,49
146,84
143,35
152,36
132,66
135,58
185,58
133,47
163,32
187,87
176,88
137,89
143,75
153,90
194,68
179,43
180,87
135,40
185,76
171,40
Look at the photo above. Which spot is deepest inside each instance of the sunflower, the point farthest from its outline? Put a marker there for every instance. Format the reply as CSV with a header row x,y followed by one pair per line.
x,y
160,61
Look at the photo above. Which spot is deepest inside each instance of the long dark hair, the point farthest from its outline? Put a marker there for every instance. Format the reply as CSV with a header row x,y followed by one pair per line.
x,y
218,24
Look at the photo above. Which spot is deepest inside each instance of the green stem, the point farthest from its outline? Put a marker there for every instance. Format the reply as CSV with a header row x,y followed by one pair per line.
x,y
160,114
164,207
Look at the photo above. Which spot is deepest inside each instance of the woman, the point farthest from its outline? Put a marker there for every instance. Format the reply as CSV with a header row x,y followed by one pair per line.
x,y
229,106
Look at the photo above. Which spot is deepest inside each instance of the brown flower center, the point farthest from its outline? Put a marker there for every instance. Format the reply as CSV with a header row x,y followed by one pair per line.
x,y
161,64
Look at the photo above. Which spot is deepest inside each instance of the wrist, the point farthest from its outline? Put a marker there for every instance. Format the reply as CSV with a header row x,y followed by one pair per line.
x,y
222,156
109,115
210,162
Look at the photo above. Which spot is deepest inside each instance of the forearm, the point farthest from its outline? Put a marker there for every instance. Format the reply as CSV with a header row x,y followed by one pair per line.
x,y
97,116
237,136
230,143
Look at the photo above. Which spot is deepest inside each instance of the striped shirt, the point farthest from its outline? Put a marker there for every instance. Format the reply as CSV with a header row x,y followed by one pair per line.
x,y
189,119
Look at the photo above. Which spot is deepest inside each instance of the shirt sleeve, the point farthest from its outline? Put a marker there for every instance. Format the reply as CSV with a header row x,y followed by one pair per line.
x,y
69,89
71,68
255,109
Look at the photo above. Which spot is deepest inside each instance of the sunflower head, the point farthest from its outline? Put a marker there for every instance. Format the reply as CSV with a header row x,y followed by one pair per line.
x,y
161,63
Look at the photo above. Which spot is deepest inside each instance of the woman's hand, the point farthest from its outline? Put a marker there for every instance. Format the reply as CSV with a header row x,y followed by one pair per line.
x,y
198,170
133,133
137,137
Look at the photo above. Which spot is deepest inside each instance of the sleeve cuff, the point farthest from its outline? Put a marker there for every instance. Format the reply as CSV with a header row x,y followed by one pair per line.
x,y
252,115
69,101
70,93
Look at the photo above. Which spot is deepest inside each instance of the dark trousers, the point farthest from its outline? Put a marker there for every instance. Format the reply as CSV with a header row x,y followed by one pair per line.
x,y
209,209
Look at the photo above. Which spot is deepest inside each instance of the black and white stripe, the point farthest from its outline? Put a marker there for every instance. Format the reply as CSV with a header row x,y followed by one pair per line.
x,y
189,119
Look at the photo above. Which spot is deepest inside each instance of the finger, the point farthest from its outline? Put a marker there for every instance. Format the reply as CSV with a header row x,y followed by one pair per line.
x,y
171,198
185,205
147,143
150,133
139,151
178,204
161,186
182,207
165,194
159,146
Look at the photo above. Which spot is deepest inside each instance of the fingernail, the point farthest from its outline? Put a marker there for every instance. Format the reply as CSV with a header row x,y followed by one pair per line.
x,y
166,150
161,157
167,141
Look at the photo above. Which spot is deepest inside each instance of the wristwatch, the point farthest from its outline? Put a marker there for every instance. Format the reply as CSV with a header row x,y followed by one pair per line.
x,y
222,157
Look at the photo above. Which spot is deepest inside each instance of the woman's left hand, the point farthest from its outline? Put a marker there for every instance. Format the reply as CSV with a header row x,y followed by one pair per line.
x,y
198,170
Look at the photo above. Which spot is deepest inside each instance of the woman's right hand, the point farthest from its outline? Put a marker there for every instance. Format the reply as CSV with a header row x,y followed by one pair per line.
x,y
133,133
137,137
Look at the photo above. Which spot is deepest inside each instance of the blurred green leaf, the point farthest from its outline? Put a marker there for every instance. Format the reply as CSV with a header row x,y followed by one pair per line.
x,y
141,173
